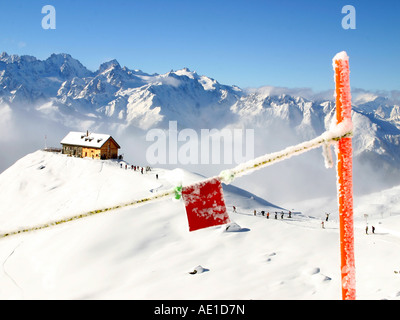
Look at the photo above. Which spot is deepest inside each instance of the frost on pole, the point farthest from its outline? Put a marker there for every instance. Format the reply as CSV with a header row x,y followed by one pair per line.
x,y
344,176
205,205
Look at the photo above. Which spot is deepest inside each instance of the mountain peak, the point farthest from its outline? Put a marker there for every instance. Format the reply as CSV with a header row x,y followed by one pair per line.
x,y
186,72
14,58
109,64
67,66
3,55
59,58
63,55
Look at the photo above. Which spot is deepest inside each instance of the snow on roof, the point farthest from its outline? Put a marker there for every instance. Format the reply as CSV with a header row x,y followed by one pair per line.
x,y
85,139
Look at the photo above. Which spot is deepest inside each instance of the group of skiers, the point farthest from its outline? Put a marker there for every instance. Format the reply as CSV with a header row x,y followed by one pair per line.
x,y
137,168
276,214
267,214
366,229
290,215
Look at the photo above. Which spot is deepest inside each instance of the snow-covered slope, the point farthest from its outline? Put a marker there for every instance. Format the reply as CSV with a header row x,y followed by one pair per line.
x,y
57,95
147,252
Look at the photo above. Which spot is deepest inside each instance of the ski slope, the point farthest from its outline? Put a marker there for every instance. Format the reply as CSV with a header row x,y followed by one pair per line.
x,y
147,252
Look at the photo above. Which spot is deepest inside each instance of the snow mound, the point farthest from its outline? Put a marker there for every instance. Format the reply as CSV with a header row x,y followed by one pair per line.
x,y
233,227
197,270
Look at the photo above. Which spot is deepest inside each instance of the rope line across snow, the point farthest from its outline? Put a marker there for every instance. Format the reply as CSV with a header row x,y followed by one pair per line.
x,y
226,176
87,214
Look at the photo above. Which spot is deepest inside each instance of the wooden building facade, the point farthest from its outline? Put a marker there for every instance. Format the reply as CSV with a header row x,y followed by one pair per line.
x,y
90,145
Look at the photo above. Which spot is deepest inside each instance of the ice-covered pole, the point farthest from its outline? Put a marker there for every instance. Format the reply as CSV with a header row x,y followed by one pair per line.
x,y
345,176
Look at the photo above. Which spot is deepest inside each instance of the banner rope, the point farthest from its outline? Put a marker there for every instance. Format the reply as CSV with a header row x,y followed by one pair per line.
x,y
329,137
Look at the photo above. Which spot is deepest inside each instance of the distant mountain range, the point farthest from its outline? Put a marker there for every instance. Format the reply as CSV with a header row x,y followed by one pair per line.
x,y
61,91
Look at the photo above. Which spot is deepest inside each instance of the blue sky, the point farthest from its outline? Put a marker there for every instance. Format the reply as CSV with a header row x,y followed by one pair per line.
x,y
251,43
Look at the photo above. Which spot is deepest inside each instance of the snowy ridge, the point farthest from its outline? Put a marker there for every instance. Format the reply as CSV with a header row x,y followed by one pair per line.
x,y
42,164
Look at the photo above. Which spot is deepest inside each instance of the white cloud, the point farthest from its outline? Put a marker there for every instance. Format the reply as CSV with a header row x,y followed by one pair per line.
x,y
5,122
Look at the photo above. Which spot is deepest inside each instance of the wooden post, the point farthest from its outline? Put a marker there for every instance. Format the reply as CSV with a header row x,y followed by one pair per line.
x,y
344,176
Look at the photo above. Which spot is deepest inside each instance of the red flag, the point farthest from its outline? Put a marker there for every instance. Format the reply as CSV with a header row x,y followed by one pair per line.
x,y
205,205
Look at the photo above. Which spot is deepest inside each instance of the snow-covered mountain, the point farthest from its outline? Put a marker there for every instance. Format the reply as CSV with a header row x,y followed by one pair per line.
x,y
112,93
58,94
26,79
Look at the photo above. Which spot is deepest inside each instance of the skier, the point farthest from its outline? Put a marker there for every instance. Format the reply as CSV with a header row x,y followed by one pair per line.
x,y
373,229
366,229
282,215
157,176
322,224
327,216
290,214
276,215
267,215
263,213
255,212
234,209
